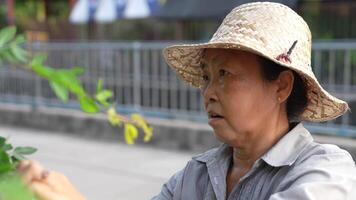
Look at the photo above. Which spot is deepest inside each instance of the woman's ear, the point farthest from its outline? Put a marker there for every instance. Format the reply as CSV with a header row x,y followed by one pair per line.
x,y
285,85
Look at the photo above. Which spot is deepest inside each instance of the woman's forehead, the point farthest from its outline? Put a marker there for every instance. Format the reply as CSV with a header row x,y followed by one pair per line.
x,y
214,59
213,55
219,56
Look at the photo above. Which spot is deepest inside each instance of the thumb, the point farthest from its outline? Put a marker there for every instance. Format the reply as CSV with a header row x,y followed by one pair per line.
x,y
43,191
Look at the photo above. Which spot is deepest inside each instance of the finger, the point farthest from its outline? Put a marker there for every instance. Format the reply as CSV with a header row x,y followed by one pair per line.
x,y
44,174
22,165
32,172
43,191
57,181
60,184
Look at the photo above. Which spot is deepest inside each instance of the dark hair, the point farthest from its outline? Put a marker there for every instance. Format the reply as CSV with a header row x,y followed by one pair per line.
x,y
297,100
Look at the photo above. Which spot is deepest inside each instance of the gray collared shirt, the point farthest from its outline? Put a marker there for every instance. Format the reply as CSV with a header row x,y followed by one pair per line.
x,y
294,168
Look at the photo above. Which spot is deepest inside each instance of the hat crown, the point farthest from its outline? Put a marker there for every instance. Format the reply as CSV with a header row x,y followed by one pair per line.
x,y
271,28
273,31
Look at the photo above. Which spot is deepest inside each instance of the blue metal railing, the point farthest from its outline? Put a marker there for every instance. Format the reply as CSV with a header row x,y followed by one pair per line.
x,y
142,82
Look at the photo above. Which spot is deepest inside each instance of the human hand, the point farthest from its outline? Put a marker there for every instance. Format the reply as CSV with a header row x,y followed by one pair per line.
x,y
47,185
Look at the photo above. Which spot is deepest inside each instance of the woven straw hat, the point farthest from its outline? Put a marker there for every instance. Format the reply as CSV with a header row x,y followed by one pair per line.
x,y
271,30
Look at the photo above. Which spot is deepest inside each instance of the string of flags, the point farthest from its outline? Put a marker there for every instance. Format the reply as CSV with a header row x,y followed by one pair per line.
x,y
106,11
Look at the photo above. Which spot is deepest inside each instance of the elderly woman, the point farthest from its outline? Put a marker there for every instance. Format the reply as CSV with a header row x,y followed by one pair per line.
x,y
258,85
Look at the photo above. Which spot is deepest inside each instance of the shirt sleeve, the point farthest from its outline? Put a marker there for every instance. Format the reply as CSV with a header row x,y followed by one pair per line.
x,y
328,177
168,188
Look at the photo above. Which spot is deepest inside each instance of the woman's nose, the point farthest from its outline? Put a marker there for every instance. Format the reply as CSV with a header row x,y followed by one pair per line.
x,y
209,93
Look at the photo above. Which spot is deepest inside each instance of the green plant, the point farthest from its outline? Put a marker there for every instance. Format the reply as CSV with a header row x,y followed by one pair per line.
x,y
9,156
63,82
10,185
66,81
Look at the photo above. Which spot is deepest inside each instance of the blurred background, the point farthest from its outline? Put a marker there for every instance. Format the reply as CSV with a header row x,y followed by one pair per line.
x,y
121,41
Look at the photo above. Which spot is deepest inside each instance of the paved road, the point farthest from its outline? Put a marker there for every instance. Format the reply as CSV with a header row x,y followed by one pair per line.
x,y
101,170
110,170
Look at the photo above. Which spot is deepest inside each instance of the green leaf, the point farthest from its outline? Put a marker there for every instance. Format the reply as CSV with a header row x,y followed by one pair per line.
x,y
60,91
88,105
44,72
112,117
63,82
5,162
7,147
2,141
68,80
18,53
99,86
140,122
3,145
7,34
20,39
130,133
25,150
38,60
63,79
73,84
77,71
103,96
14,159
18,157
12,188
8,56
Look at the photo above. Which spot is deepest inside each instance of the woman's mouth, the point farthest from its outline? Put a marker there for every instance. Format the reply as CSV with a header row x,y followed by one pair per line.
x,y
214,118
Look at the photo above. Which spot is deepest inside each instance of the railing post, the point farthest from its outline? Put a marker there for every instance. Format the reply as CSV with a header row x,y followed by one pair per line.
x,y
346,84
38,92
34,48
136,75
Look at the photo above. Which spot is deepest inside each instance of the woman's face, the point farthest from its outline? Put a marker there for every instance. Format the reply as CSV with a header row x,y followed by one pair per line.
x,y
237,99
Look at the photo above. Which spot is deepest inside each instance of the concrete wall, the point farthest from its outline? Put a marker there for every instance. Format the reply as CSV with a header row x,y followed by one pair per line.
x,y
168,134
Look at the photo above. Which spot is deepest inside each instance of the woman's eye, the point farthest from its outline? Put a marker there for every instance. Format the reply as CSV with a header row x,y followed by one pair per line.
x,y
205,78
222,72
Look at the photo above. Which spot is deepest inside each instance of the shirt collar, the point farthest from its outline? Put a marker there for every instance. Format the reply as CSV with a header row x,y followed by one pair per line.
x,y
284,152
220,153
289,147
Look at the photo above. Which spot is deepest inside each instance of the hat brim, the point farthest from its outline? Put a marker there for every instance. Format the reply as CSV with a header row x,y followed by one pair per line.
x,y
322,106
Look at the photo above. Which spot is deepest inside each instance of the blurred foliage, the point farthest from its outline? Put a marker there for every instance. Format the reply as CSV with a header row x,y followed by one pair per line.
x,y
9,156
2,14
327,20
27,11
11,186
64,82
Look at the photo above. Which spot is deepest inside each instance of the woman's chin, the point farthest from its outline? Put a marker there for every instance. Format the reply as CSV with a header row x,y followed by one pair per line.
x,y
223,136
216,122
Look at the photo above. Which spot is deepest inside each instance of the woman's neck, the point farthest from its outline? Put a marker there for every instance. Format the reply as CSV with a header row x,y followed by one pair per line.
x,y
245,156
